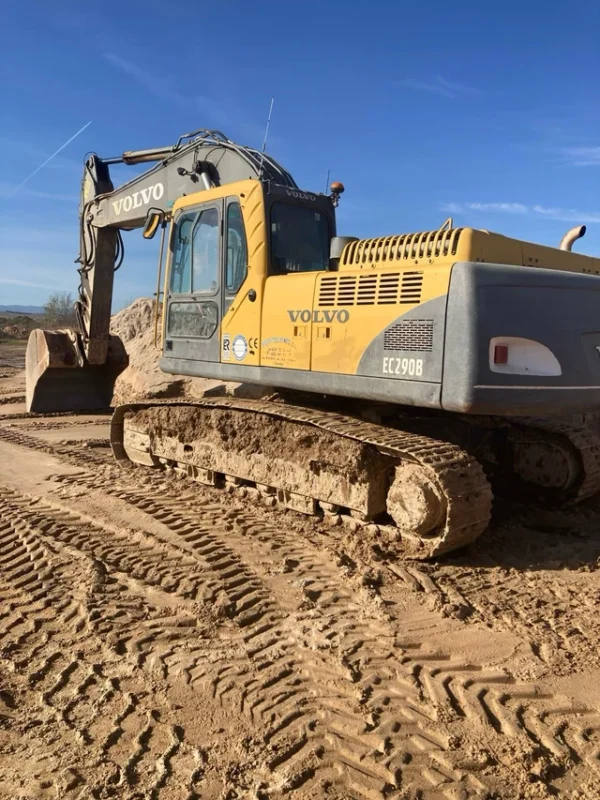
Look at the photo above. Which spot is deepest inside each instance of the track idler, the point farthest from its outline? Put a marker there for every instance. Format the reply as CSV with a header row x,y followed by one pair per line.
x,y
59,379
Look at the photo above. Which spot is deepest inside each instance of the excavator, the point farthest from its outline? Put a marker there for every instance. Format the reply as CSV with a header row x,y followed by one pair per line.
x,y
404,375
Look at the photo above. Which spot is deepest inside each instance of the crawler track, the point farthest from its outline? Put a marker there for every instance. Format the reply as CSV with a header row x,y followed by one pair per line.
x,y
579,445
456,475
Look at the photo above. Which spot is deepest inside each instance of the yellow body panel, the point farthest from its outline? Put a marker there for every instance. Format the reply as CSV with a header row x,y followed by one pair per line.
x,y
436,248
338,347
287,321
243,315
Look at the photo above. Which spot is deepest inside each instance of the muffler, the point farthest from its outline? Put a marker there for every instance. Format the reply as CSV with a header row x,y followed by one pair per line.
x,y
58,378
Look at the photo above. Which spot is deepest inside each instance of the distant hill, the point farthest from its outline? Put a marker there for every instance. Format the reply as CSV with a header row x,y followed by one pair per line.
x,y
23,309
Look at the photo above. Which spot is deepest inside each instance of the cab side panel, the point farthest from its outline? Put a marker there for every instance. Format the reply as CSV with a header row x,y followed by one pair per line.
x,y
287,321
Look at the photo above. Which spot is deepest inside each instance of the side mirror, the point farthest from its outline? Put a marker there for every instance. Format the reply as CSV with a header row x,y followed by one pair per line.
x,y
154,218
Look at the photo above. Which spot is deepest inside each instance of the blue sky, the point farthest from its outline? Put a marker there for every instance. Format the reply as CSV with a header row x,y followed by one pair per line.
x,y
489,112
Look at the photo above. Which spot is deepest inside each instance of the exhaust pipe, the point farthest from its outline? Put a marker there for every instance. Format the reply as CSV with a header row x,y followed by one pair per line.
x,y
570,237
206,180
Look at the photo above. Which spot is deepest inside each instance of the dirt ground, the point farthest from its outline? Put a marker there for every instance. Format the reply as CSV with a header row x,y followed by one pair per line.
x,y
164,640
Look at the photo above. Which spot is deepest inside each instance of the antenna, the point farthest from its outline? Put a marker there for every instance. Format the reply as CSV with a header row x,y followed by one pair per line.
x,y
264,147
327,181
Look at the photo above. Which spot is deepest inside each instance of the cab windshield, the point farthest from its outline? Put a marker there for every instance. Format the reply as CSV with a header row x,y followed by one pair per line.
x,y
299,239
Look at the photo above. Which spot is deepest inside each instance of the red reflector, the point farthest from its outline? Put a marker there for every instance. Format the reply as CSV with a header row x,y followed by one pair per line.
x,y
501,354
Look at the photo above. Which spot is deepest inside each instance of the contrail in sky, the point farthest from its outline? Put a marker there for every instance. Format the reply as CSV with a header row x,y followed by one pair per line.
x,y
47,161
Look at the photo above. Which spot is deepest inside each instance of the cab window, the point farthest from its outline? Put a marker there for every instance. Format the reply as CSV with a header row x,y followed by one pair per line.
x,y
205,252
237,253
181,274
299,239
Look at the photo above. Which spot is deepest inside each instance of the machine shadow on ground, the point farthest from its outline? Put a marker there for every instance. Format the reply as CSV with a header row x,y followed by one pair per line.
x,y
531,537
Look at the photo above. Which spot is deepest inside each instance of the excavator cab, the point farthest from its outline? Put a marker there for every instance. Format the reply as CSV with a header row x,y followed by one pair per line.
x,y
232,250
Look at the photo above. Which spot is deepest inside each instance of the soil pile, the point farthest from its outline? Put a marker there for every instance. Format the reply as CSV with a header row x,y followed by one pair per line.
x,y
16,326
143,377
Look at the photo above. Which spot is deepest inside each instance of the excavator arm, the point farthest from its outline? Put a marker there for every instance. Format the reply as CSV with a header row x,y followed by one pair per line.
x,y
73,370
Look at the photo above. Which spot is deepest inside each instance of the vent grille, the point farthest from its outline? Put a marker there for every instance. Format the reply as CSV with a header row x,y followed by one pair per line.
x,y
371,290
415,335
413,246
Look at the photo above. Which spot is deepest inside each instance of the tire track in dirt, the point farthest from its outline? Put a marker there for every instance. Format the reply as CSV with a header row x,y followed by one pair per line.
x,y
43,423
441,691
306,703
95,451
556,614
45,636
448,690
422,691
11,399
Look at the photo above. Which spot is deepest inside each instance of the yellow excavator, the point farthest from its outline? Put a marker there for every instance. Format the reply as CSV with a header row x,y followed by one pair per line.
x,y
407,371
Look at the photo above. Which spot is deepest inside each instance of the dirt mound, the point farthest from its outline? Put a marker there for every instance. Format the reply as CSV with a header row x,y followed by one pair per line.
x,y
143,377
16,326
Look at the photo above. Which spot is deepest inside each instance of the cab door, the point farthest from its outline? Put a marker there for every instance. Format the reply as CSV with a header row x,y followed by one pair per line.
x,y
194,298
243,279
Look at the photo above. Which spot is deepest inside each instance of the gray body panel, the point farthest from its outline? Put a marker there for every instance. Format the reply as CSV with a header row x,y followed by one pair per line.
x,y
160,186
560,310
432,314
414,393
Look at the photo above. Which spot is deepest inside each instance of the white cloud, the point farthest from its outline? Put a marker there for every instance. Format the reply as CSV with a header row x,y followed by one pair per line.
x,y
563,214
503,208
423,86
8,190
439,86
458,88
157,84
582,156
61,162
452,208
32,284
569,214
509,208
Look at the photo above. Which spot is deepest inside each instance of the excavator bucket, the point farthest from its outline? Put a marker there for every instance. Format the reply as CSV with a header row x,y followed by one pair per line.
x,y
58,380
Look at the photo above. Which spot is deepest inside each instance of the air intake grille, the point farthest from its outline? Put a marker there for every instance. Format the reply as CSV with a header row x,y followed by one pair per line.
x,y
368,290
413,246
414,334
